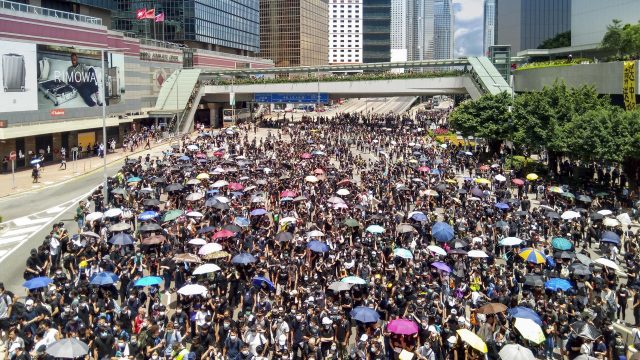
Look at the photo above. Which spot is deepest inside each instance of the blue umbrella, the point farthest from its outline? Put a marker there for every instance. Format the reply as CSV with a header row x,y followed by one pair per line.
x,y
35,161
184,158
365,314
211,202
561,243
419,216
502,206
241,221
556,284
611,237
442,232
121,239
525,313
104,278
243,259
317,246
435,172
551,262
403,253
133,179
148,281
147,215
37,282
260,281
258,212
206,229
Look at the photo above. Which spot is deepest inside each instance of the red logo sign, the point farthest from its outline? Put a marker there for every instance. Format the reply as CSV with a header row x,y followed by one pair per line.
x,y
12,155
57,112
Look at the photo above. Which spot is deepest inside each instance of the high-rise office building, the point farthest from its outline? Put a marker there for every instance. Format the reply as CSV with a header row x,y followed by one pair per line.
x,y
443,29
399,20
589,19
489,25
412,28
231,26
345,31
294,32
376,37
525,24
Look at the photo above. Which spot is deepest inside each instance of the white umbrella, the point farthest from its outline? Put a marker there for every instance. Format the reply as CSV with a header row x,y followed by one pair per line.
x,y
510,241
568,215
194,197
192,289
113,212
605,212
343,192
315,233
311,179
437,250
516,352
608,263
610,222
500,178
530,330
205,269
197,241
335,200
209,248
340,206
473,198
193,182
220,183
477,254
194,214
94,216
223,199
624,219
70,348
289,219
267,170
193,147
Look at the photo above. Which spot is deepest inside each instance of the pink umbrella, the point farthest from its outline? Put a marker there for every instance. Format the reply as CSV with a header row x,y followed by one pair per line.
x,y
424,169
218,153
306,156
223,234
402,327
288,193
518,182
201,156
236,186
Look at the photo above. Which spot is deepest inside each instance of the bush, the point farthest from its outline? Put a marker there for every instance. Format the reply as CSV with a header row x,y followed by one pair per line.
x,y
524,165
554,63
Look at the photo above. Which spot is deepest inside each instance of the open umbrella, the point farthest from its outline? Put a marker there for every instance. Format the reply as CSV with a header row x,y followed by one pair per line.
x,y
197,241
375,229
263,282
243,259
365,314
258,212
585,330
580,269
608,263
187,258
610,222
518,182
560,243
510,241
492,308
533,280
90,234
354,280
530,330
418,216
437,250
610,237
154,240
150,227
37,282
209,248
441,266
569,215
317,246
405,228
351,222
584,259
477,254
525,313
104,278
533,256
205,269
223,234
516,352
338,286
472,340
172,215
284,236
94,216
149,281
121,239
192,289
442,232
402,327
147,215
555,284
403,253
69,348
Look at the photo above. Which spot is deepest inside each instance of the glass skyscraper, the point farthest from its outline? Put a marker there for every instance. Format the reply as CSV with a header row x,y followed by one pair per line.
x,y
376,20
294,32
443,30
489,22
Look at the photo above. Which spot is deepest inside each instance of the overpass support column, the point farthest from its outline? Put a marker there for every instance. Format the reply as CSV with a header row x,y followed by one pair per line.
x,y
214,120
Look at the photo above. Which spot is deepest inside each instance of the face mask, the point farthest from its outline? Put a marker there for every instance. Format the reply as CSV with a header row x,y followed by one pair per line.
x,y
29,308
162,313
226,325
154,357
245,353
333,347
121,346
233,337
179,311
298,317
104,335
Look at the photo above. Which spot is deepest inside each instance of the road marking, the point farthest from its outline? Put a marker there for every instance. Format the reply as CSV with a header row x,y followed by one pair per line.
x,y
20,231
25,220
48,182
2,252
9,240
54,210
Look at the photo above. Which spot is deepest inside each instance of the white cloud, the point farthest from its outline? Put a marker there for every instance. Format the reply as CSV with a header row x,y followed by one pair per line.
x,y
468,9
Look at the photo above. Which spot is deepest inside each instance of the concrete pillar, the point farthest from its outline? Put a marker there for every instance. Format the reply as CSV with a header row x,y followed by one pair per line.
x,y
122,130
56,145
214,109
30,146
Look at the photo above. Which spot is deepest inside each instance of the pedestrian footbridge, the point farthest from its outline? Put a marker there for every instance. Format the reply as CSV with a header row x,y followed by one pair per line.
x,y
473,75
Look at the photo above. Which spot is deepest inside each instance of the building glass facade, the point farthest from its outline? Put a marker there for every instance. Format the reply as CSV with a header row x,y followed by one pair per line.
x,y
294,32
376,45
443,30
489,21
230,25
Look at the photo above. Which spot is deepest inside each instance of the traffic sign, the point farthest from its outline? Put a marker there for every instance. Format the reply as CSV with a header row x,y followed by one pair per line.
x,y
12,156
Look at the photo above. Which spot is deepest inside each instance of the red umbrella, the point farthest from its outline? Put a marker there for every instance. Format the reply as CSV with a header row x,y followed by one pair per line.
x,y
288,193
402,327
318,171
306,156
484,167
223,234
201,156
518,182
424,169
344,182
218,153
236,186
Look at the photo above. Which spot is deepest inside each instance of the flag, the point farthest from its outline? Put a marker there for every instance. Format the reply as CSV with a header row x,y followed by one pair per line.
x,y
140,13
151,14
160,17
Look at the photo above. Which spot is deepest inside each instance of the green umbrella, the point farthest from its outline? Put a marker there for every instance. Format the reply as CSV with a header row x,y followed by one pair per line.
x,y
602,194
172,215
352,222
561,243
568,195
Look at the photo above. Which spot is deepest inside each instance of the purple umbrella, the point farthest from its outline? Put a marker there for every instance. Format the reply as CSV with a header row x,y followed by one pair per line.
x,y
441,266
402,327
476,191
258,212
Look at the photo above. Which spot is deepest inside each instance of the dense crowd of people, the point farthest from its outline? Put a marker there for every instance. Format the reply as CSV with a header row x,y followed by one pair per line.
x,y
353,236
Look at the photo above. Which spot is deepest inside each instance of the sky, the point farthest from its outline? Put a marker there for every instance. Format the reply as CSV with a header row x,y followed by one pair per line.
x,y
468,26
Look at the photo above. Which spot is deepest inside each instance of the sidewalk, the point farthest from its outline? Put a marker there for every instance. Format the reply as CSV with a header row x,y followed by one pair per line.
x,y
51,174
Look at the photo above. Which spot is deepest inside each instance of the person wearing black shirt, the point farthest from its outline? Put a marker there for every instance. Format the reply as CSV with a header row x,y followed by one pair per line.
x,y
103,345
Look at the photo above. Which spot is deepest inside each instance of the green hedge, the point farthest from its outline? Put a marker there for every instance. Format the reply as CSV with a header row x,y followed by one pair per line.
x,y
553,63
525,165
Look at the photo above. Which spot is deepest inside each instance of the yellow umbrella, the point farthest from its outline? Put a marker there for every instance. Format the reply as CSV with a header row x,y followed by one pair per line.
x,y
413,161
556,189
202,176
530,330
483,181
473,340
532,177
451,181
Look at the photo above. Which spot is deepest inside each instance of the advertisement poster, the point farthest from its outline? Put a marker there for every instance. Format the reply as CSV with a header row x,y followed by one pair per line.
x,y
71,78
18,77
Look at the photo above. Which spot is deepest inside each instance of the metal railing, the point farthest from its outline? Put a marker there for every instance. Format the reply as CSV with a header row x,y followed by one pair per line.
x,y
161,44
37,10
195,94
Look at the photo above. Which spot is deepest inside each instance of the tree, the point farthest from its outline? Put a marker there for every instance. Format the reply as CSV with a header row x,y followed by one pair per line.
x,y
592,136
560,40
487,117
624,40
612,39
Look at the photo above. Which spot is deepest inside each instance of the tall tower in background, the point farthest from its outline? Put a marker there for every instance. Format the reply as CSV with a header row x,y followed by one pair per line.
x,y
489,25
443,29
345,31
376,23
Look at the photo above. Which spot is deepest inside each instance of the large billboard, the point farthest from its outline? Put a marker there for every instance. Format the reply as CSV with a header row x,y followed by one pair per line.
x,y
51,77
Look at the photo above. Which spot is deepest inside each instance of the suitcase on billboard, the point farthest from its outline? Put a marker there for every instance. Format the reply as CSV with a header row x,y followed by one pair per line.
x,y
13,72
58,91
113,82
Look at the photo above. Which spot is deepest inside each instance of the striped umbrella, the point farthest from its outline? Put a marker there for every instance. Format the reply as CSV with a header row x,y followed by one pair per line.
x,y
533,256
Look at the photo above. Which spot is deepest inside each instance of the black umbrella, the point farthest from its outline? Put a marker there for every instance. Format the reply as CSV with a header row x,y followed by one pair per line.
x,y
477,192
211,202
441,187
462,191
585,330
150,227
553,215
151,202
596,216
160,180
564,255
457,251
221,206
174,187
284,236
533,280
579,269
232,227
584,198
